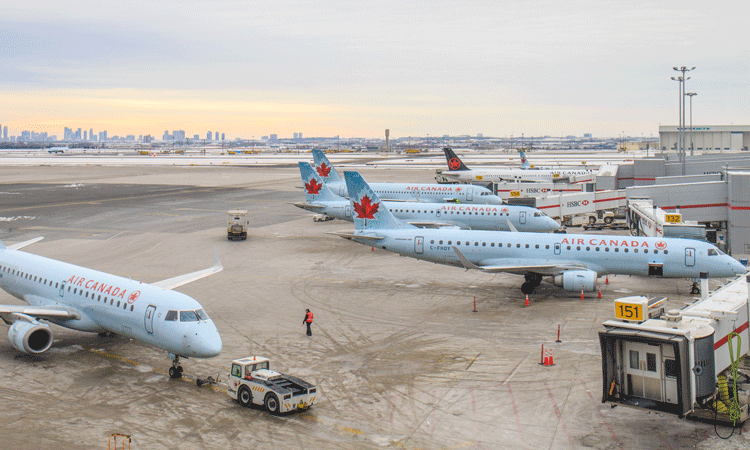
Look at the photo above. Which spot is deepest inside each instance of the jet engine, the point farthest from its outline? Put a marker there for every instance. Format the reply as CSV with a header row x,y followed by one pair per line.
x,y
30,337
575,280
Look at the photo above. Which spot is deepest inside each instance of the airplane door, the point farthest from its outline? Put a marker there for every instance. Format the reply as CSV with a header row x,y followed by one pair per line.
x,y
348,211
557,248
522,217
62,289
690,257
149,319
469,194
418,245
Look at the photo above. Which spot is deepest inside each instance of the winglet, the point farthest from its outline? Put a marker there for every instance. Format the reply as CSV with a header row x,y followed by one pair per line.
x,y
467,264
217,264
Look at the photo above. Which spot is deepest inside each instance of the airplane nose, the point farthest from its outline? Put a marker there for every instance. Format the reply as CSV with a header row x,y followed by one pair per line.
x,y
210,344
552,224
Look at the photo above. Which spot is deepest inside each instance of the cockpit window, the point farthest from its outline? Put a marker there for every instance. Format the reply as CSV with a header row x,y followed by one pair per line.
x,y
713,252
188,316
202,314
171,315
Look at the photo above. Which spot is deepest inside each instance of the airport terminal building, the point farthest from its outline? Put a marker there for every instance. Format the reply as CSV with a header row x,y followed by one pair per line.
x,y
707,137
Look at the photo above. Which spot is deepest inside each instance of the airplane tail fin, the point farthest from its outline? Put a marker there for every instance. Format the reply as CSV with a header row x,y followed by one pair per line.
x,y
315,188
524,162
369,212
454,162
324,168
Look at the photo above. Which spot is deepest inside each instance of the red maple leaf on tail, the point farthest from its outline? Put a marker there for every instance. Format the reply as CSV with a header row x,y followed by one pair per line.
x,y
323,170
365,209
313,187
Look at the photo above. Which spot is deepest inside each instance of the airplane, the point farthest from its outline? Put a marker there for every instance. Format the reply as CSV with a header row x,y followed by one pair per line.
x,y
460,173
524,162
320,199
88,300
573,262
58,149
431,193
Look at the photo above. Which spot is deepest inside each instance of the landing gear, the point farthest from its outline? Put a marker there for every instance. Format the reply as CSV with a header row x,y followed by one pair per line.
x,y
696,289
532,281
175,372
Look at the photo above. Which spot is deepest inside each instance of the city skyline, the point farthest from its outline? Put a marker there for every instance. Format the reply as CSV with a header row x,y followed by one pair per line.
x,y
353,70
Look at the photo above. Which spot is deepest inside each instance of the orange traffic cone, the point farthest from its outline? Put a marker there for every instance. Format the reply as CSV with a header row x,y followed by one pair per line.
x,y
372,249
551,359
581,293
527,300
606,279
600,293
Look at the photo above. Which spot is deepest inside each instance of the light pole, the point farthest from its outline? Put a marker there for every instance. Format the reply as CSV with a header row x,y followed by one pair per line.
x,y
681,126
691,94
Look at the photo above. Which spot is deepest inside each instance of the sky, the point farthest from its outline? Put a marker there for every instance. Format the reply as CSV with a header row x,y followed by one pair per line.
x,y
353,68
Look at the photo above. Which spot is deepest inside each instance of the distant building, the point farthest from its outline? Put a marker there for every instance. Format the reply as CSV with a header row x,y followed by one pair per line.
x,y
78,134
222,136
91,134
166,136
147,139
178,135
209,136
587,135
273,137
216,135
130,138
102,136
196,137
480,135
5,133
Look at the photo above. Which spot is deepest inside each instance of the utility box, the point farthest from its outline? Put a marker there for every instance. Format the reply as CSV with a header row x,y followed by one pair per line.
x,y
237,225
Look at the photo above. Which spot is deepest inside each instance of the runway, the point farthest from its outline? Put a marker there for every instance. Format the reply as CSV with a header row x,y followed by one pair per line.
x,y
399,358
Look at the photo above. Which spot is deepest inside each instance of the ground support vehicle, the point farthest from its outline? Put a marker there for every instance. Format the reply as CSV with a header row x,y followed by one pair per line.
x,y
251,382
321,218
237,224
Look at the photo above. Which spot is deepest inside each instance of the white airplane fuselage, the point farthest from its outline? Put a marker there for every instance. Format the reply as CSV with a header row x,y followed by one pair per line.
x,y
628,255
510,174
105,302
469,216
428,193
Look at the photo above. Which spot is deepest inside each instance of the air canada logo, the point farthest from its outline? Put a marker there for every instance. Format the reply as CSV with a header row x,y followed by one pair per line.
x,y
323,170
523,159
504,209
661,245
365,209
454,164
133,297
313,187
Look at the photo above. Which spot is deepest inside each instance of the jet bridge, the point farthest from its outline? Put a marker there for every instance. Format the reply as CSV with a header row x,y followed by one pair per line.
x,y
675,362
646,219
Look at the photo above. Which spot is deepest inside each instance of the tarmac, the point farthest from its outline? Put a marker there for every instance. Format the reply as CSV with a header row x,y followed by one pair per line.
x,y
400,358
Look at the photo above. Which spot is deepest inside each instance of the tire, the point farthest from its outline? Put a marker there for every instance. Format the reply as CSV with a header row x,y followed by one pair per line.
x,y
175,372
592,220
199,382
272,403
608,220
244,396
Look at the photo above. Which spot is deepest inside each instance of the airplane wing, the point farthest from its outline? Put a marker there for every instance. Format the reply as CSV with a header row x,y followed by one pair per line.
x,y
171,283
25,243
519,266
309,206
350,236
433,224
510,225
10,313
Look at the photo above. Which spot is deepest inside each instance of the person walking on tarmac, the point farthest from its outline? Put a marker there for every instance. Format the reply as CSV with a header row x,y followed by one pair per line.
x,y
308,320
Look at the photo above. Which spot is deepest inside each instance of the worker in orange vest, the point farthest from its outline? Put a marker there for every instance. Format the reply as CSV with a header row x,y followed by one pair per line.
x,y
308,320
